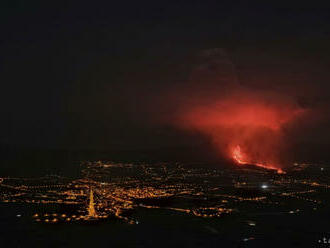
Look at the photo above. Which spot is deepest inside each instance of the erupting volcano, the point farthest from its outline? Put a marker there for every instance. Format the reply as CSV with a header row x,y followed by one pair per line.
x,y
238,155
240,158
246,127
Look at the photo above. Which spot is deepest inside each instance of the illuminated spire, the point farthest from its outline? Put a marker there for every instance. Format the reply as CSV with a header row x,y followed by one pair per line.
x,y
91,209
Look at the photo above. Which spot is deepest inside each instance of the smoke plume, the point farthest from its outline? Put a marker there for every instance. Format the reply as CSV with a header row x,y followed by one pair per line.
x,y
248,125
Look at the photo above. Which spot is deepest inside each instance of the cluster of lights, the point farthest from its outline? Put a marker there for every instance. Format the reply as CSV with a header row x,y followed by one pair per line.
x,y
96,198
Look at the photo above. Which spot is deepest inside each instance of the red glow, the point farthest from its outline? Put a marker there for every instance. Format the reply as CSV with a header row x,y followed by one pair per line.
x,y
240,158
248,128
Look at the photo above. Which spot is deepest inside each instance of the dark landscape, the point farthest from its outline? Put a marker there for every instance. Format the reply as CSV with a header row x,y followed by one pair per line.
x,y
164,124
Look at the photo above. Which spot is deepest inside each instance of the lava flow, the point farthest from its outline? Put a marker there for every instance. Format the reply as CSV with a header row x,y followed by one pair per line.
x,y
240,158
248,128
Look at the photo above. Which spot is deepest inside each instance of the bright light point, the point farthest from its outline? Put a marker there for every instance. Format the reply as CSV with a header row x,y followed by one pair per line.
x,y
264,186
247,239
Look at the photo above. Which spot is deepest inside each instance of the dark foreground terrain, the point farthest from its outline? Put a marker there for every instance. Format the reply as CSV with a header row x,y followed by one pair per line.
x,y
144,204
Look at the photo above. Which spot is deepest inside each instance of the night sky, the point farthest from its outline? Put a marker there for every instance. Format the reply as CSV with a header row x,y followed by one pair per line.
x,y
109,75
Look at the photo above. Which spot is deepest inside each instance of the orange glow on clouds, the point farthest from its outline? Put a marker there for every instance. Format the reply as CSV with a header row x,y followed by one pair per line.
x,y
244,112
248,128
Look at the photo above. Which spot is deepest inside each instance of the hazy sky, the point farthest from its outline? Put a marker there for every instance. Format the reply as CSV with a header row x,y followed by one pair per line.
x,y
100,75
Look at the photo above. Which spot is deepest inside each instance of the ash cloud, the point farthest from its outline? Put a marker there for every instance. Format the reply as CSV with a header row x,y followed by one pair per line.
x,y
215,103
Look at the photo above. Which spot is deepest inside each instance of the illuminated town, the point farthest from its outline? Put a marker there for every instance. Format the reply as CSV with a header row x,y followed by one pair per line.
x,y
107,191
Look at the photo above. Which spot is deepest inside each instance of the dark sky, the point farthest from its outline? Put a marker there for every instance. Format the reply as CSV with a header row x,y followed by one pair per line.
x,y
94,75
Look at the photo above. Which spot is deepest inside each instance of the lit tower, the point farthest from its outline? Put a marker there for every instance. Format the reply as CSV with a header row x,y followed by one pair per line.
x,y
91,208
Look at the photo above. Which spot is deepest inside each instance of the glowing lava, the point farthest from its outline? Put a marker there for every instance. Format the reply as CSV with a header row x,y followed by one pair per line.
x,y
240,158
247,127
